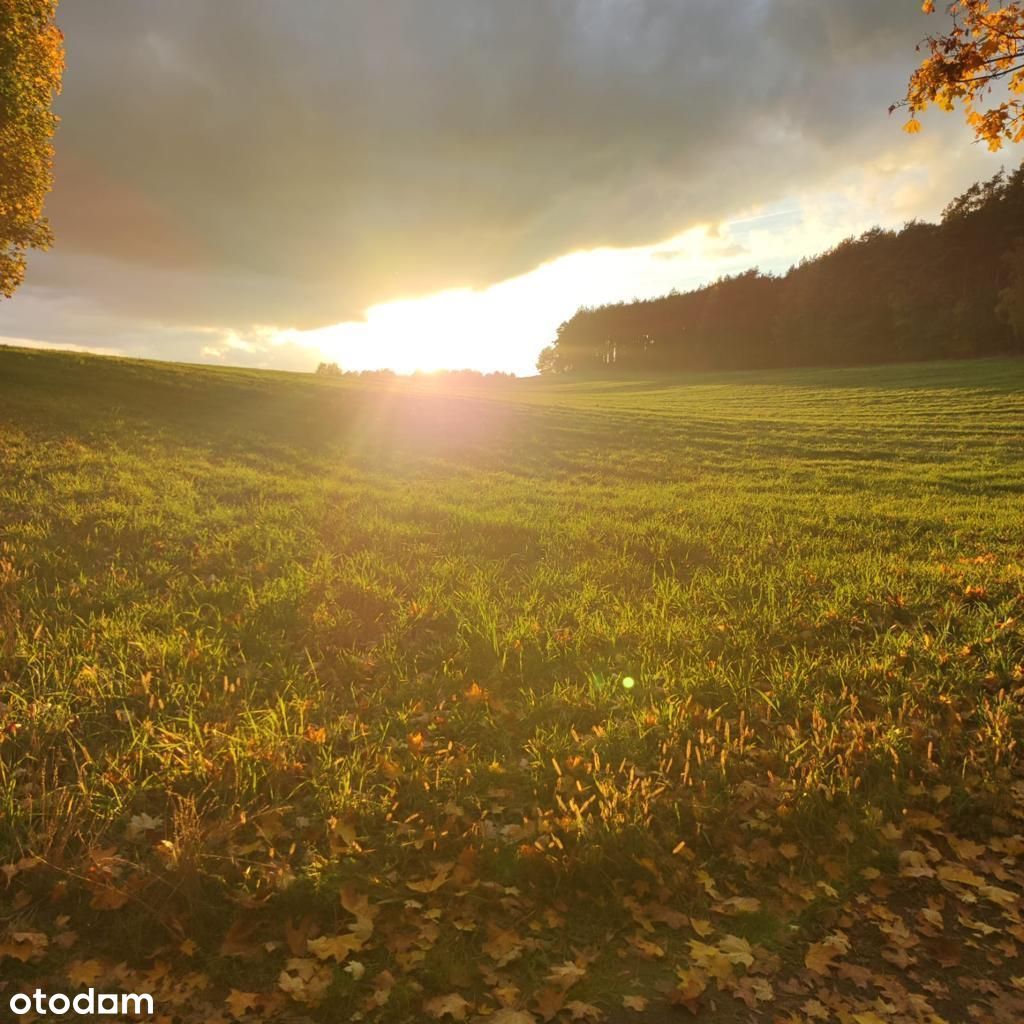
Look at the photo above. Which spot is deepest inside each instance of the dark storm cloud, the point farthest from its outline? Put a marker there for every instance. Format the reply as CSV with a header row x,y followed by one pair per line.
x,y
290,162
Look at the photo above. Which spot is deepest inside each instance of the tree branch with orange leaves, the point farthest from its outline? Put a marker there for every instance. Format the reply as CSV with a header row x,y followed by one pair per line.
x,y
977,65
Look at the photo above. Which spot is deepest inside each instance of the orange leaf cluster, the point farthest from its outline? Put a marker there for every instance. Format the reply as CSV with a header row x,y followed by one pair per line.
x,y
977,65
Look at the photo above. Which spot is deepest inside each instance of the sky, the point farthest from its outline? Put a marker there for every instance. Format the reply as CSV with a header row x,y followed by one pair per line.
x,y
414,185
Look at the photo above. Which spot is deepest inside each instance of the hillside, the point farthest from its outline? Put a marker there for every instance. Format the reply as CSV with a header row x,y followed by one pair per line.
x,y
325,696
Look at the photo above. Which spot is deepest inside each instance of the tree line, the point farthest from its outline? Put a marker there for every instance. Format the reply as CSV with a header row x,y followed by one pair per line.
x,y
954,289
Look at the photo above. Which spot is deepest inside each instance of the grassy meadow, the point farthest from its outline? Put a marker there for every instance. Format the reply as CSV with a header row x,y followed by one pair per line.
x,y
544,699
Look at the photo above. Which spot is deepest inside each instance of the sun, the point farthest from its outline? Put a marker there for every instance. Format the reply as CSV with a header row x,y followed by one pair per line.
x,y
446,331
456,329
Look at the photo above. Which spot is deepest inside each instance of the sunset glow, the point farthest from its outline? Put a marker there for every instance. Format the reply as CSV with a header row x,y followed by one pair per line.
x,y
503,327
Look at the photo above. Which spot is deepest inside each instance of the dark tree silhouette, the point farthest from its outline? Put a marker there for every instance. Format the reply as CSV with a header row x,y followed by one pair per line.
x,y
927,291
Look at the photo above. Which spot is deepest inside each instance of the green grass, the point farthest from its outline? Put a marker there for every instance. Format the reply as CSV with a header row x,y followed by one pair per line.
x,y
330,633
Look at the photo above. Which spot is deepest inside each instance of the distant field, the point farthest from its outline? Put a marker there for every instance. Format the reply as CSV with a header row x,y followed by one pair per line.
x,y
296,673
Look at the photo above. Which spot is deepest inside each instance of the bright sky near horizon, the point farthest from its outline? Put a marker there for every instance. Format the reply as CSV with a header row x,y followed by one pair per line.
x,y
382,185
504,326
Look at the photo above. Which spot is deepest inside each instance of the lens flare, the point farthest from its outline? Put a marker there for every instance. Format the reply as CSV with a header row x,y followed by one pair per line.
x,y
628,682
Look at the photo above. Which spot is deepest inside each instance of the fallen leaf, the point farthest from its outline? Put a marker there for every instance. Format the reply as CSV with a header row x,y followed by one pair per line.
x,y
549,1001
958,873
297,934
510,1016
240,1003
452,1005
583,1011
24,946
140,824
820,955
753,991
334,947
692,984
84,973
435,883
740,905
736,950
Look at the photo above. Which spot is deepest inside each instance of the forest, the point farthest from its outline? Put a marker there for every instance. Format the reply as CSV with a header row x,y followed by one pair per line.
x,y
949,290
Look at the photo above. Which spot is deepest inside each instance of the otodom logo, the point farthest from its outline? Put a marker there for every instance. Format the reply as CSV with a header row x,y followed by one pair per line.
x,y
89,1002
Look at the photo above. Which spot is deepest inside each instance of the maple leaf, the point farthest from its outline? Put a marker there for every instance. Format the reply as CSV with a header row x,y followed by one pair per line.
x,y
648,950
860,976
898,957
435,883
958,873
297,934
383,983
509,1016
304,980
740,905
506,994
583,1011
753,991
736,950
359,907
452,1005
334,947
84,973
107,898
140,824
913,864
24,946
976,926
692,984
240,1003
238,940
566,974
1003,897
343,834
638,1003
502,946
549,1001
820,955
966,849
813,1008
673,918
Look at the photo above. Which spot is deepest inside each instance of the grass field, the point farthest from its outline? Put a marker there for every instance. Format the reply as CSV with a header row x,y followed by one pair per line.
x,y
321,698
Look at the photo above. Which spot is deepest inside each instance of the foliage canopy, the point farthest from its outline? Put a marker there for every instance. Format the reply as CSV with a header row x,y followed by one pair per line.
x,y
31,65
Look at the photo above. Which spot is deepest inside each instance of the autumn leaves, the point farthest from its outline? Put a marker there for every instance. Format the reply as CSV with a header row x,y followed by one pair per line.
x,y
981,50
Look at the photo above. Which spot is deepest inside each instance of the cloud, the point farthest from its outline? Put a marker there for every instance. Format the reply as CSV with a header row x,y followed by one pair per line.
x,y
256,162
372,150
